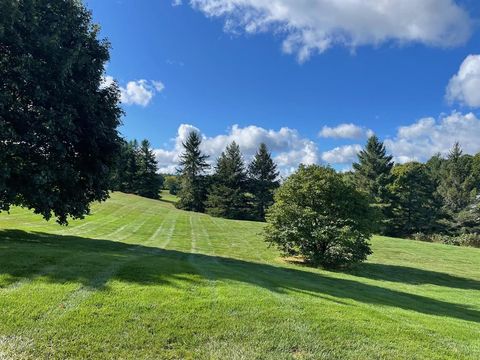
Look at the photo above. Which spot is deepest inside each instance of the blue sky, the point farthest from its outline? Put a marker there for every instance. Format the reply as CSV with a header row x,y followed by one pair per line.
x,y
244,69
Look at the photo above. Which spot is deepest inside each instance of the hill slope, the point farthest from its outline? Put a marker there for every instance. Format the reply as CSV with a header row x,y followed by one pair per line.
x,y
140,279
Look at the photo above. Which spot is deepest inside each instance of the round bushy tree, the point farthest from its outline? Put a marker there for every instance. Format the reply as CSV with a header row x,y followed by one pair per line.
x,y
323,218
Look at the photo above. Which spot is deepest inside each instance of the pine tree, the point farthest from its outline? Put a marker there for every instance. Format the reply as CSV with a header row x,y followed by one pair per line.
x,y
372,174
193,165
263,180
456,186
416,207
227,196
129,178
458,189
148,182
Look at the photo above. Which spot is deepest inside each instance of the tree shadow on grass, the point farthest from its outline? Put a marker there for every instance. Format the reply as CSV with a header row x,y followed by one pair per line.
x,y
61,259
412,276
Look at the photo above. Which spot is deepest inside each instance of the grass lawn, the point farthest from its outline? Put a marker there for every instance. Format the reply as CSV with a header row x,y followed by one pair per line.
x,y
141,280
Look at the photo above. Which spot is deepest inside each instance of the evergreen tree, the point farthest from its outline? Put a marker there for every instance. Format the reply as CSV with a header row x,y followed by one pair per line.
x,y
228,194
372,174
193,165
456,185
416,208
148,182
476,172
436,168
129,184
263,180
124,177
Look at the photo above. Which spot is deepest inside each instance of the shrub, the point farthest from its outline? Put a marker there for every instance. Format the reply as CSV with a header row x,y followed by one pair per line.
x,y
419,236
321,217
470,240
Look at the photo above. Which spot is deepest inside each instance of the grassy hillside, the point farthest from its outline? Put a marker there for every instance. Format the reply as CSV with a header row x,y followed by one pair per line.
x,y
140,279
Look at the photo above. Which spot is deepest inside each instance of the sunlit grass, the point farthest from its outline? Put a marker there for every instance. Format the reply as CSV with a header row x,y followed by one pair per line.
x,y
139,279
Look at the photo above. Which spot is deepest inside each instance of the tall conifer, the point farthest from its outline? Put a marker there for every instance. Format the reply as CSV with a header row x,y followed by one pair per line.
x,y
372,174
228,194
193,164
263,180
148,181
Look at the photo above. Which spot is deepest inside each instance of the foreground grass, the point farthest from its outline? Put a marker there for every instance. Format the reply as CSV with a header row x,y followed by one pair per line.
x,y
139,279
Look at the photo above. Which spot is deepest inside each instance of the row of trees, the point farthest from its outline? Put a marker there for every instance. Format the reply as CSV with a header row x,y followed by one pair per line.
x,y
136,170
234,191
439,196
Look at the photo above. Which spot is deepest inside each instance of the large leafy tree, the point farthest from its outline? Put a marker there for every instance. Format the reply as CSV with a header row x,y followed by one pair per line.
x,y
228,194
372,174
58,124
416,204
193,164
319,215
149,183
263,175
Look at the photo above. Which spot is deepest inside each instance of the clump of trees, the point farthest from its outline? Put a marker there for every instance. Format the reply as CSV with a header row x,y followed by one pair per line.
x,y
234,190
136,170
435,200
321,216
58,125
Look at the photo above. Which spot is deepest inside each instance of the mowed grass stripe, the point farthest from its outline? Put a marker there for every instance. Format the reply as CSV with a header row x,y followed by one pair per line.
x,y
177,285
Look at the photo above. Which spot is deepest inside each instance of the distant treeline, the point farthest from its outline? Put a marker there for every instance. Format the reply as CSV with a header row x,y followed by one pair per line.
x,y
435,200
235,190
136,170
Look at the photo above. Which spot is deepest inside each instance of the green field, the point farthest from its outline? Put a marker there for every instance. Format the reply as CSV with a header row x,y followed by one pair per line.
x,y
141,280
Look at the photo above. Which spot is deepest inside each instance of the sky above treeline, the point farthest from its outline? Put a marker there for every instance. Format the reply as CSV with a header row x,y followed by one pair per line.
x,y
310,78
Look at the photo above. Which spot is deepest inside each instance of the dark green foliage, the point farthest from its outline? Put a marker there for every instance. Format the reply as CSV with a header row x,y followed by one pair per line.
x,y
263,181
476,172
456,185
372,174
416,204
436,168
321,217
172,184
193,165
228,193
58,124
136,171
149,183
124,177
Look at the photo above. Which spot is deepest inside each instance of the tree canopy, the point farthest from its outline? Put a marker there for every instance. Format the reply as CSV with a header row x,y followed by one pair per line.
x,y
320,216
58,124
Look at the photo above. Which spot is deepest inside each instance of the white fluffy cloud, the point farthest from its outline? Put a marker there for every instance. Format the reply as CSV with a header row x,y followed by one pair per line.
x,y
139,92
313,26
464,87
288,147
345,131
342,154
430,136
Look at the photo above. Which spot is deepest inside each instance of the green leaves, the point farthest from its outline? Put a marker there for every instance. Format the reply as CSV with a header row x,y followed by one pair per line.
x,y
319,216
58,127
